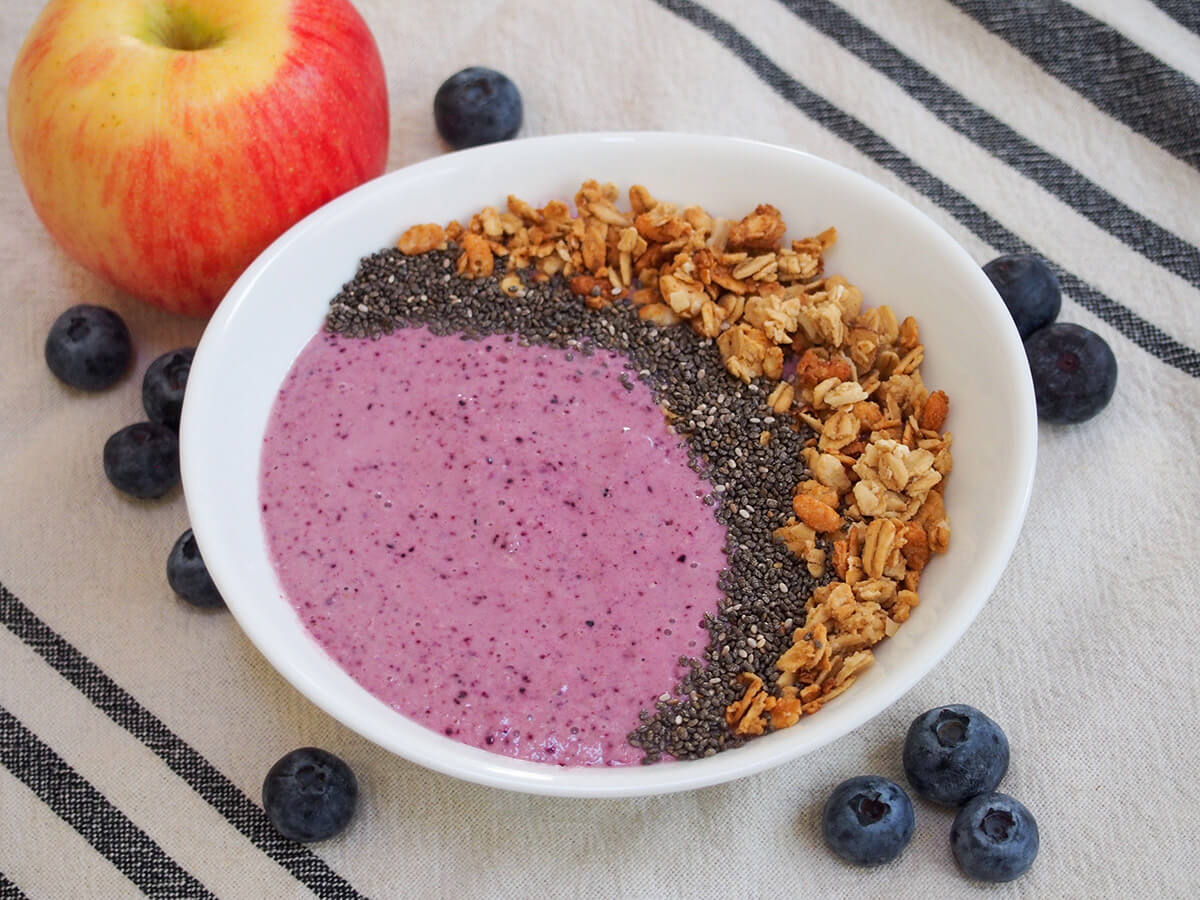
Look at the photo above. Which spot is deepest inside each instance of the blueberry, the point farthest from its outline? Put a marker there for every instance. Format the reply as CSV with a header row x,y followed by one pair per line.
x,y
188,576
1074,372
953,753
89,347
310,795
163,385
1028,288
143,459
867,820
994,838
477,106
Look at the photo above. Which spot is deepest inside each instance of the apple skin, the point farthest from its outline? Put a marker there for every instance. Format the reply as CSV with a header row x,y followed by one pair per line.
x,y
167,171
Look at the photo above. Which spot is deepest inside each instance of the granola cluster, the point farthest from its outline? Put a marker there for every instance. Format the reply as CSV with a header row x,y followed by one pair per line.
x,y
674,264
872,507
870,510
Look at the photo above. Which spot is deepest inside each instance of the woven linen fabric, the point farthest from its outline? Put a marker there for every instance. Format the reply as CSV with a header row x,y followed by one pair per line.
x,y
135,731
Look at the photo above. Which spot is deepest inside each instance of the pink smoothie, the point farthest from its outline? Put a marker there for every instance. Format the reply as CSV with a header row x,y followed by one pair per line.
x,y
503,544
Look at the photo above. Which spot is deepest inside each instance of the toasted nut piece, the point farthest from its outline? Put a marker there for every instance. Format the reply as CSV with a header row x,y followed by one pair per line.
x,y
644,296
933,413
640,200
915,547
524,211
629,241
843,395
904,604
854,537
828,470
763,229
476,260
660,314
719,239
932,510
753,266
711,317
809,651
911,360
649,261
841,602
841,557
868,413
909,335
797,537
489,219
877,546
734,306
746,352
786,712
593,245
839,430
587,285
551,264
745,716
772,365
700,220
876,590
723,277
511,285
660,229
944,462
939,535
864,347
421,239
780,399
819,491
889,328
812,369
607,213
815,514
815,560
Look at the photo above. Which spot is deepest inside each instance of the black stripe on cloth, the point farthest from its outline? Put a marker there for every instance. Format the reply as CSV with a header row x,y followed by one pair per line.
x,y
201,775
1185,12
1146,335
86,810
1124,80
1151,240
9,891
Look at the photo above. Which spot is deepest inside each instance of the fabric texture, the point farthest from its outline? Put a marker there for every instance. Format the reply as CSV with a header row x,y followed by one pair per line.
x,y
135,731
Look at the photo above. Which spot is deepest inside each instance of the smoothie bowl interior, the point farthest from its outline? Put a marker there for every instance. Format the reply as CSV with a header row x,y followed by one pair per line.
x,y
893,253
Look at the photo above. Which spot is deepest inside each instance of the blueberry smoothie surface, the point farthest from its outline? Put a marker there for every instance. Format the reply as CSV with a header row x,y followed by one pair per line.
x,y
504,543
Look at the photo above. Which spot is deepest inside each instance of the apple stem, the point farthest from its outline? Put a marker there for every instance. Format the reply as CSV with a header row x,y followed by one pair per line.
x,y
180,28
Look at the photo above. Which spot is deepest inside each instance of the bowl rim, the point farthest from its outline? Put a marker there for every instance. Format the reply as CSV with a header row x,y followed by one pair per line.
x,y
478,766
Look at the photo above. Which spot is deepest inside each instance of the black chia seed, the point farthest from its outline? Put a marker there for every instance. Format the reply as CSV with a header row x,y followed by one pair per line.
x,y
765,587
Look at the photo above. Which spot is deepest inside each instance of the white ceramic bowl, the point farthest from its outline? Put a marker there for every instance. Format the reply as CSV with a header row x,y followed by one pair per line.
x,y
885,246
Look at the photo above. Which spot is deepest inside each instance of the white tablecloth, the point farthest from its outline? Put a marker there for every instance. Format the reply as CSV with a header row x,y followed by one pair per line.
x,y
135,731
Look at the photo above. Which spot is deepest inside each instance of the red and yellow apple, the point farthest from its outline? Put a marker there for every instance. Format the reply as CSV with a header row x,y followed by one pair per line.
x,y
165,143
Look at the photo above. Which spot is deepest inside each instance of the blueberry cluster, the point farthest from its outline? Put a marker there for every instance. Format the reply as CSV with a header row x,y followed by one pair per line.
x,y
90,348
953,756
309,794
1074,370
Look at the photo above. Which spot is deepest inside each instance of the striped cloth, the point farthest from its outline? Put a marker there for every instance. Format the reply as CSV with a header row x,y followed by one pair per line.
x,y
135,731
